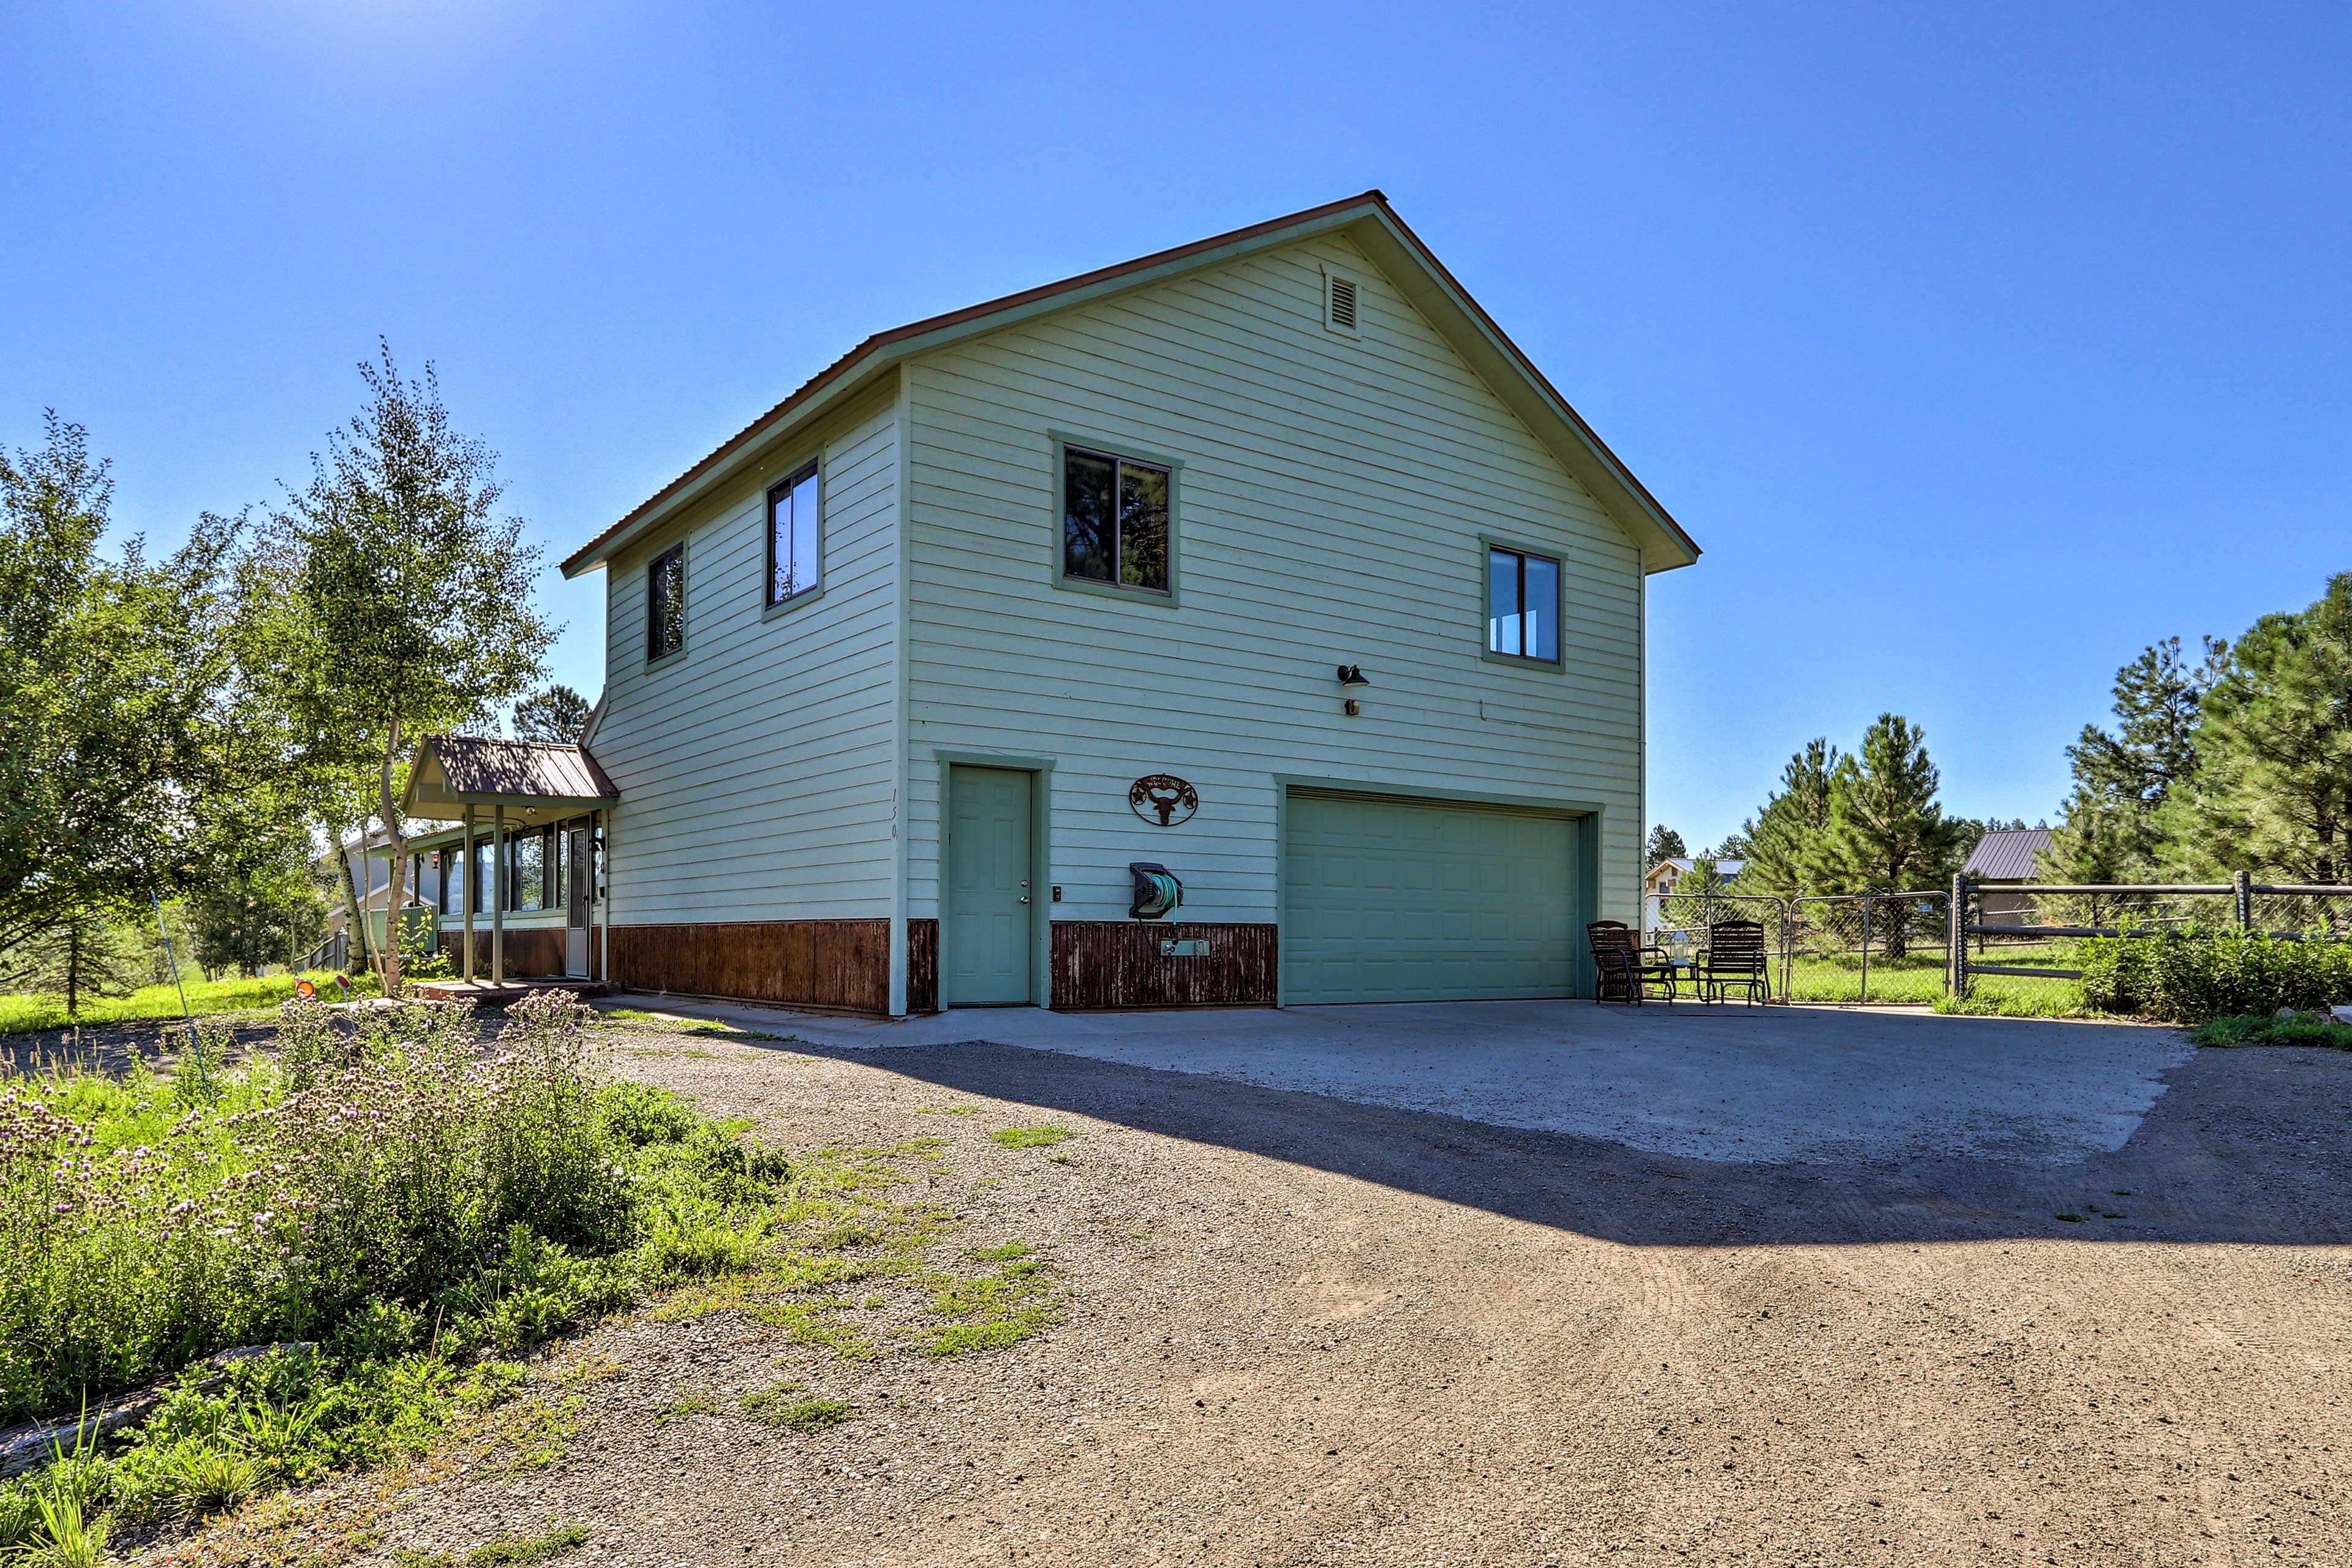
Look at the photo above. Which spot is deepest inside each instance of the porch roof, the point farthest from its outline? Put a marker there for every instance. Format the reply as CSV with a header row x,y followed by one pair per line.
x,y
536,781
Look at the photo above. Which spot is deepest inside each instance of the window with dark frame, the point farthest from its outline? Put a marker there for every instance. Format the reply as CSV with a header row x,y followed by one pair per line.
x,y
666,602
1522,605
794,522
1115,520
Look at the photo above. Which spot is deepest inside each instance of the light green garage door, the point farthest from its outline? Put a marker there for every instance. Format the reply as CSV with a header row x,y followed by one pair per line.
x,y
1398,900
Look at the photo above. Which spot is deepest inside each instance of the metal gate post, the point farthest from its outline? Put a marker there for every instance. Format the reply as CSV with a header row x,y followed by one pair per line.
x,y
2241,883
1956,953
1865,950
1787,940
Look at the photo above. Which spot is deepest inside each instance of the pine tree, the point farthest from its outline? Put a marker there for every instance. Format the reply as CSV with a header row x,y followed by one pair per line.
x,y
1666,844
1781,837
1885,832
81,955
2272,788
2110,830
558,713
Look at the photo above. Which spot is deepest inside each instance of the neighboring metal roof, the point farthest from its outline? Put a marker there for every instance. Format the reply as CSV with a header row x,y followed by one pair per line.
x,y
1683,863
452,772
2006,855
1607,471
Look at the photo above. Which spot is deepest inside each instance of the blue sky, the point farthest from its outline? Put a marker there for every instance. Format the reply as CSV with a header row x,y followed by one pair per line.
x,y
1980,346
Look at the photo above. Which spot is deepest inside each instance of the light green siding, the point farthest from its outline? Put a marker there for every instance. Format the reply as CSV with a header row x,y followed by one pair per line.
x,y
1392,900
756,766
1332,497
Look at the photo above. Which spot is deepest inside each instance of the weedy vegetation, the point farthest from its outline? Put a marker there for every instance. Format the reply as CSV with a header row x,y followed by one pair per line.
x,y
407,1213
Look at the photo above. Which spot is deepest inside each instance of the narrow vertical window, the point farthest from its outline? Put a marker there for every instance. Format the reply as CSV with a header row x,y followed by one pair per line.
x,y
666,602
1116,519
794,522
1522,605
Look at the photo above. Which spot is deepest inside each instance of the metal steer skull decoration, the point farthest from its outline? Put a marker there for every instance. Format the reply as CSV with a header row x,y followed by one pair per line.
x,y
1163,797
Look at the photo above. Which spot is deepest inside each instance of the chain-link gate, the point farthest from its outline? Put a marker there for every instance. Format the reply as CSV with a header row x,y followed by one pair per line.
x,y
1677,925
1852,948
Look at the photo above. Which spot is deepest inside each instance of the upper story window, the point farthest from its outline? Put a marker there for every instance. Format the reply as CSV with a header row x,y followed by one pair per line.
x,y
1115,520
794,529
1522,605
666,602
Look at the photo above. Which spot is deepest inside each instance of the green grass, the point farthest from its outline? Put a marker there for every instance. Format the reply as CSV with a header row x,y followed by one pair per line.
x,y
2303,1029
506,1551
25,1013
637,1017
693,1402
1044,1137
790,1407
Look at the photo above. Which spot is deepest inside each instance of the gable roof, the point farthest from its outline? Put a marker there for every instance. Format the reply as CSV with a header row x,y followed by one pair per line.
x,y
451,772
1366,219
2007,854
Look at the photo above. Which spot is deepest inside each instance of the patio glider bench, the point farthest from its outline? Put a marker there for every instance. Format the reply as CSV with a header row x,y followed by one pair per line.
x,y
1626,968
1735,961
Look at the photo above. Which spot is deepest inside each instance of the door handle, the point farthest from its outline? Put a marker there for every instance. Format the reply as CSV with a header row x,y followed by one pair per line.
x,y
1024,892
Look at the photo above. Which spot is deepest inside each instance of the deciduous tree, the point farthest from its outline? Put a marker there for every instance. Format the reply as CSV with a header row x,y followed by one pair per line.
x,y
410,604
124,746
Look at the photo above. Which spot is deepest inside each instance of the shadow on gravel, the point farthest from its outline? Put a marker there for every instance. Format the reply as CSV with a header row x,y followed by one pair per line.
x,y
2247,1146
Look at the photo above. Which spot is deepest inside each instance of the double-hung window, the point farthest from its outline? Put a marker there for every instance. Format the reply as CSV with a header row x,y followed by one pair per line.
x,y
1522,605
666,602
793,526
1116,520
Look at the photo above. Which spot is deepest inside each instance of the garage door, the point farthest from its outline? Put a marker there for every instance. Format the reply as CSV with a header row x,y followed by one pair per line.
x,y
1399,900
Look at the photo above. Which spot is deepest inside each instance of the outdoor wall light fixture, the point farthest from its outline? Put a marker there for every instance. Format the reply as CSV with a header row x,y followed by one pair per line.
x,y
1350,677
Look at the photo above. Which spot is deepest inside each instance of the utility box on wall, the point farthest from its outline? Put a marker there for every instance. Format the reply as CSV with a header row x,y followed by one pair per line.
x,y
1188,947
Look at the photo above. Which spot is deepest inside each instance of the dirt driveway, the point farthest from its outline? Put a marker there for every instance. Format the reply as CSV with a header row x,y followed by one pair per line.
x,y
1309,1331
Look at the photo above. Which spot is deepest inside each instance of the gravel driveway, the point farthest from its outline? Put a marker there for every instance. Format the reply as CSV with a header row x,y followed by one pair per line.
x,y
1305,1330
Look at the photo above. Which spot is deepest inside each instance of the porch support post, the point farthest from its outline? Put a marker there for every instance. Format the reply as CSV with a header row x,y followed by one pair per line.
x,y
473,895
499,895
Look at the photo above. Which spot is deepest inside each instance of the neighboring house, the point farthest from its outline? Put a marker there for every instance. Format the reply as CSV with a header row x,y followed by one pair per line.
x,y
1269,560
1660,878
2006,857
1659,881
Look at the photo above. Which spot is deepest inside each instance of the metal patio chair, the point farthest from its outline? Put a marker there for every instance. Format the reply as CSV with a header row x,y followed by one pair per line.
x,y
1627,969
1735,961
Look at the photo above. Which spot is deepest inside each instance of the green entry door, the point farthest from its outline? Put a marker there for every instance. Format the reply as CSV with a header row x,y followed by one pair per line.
x,y
1402,901
985,956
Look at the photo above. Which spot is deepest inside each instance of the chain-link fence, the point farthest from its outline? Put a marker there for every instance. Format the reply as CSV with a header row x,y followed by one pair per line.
x,y
2017,941
1675,924
1852,948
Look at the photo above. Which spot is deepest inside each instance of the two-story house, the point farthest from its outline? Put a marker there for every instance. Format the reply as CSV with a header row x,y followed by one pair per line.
x,y
1268,561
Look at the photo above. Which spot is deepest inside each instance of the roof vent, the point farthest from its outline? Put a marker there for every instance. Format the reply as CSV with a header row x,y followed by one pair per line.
x,y
1340,303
